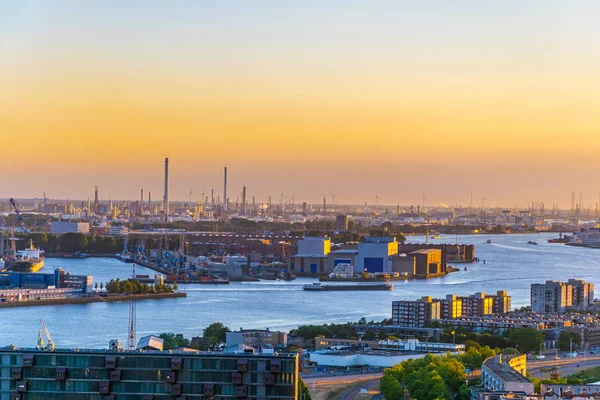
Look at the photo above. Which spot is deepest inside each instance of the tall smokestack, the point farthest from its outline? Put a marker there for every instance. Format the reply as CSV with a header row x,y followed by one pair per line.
x,y
150,202
166,199
141,201
225,190
95,199
244,200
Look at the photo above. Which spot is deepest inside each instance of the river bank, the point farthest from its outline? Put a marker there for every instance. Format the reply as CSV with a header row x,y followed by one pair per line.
x,y
91,299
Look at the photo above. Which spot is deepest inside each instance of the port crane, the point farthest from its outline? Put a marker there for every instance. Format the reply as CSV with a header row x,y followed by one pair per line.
x,y
19,216
47,345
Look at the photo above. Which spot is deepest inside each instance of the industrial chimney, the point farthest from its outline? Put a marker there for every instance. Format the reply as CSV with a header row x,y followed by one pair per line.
x,y
166,199
225,190
244,200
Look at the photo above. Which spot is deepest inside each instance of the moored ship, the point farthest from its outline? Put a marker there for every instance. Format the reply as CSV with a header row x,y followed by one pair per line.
x,y
28,260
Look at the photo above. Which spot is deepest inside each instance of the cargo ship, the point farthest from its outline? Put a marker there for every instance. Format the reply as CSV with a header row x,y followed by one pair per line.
x,y
28,260
318,287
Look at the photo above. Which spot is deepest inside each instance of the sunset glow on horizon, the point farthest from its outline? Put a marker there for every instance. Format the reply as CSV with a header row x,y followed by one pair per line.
x,y
395,99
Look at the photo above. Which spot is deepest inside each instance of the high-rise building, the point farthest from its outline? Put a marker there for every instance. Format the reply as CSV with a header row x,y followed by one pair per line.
x,y
583,292
415,312
551,297
114,374
451,307
341,222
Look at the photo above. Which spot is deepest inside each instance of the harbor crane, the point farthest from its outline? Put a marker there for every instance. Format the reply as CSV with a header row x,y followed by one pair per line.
x,y
47,345
19,216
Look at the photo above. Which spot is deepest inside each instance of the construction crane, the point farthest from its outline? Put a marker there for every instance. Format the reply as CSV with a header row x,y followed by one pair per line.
x,y
19,216
132,317
49,344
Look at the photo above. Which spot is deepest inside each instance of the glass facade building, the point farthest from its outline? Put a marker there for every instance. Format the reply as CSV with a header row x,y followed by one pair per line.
x,y
113,375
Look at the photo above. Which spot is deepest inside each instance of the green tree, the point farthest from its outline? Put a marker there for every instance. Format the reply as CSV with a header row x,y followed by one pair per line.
x,y
172,340
564,340
216,332
526,339
72,242
464,393
303,392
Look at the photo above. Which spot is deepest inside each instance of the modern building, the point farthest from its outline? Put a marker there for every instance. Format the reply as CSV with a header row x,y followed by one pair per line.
x,y
416,312
421,263
311,256
583,293
111,375
451,307
342,352
506,373
258,339
60,227
551,297
118,230
374,254
341,222
425,310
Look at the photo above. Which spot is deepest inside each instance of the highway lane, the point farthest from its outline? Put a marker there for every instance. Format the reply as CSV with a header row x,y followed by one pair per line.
x,y
564,366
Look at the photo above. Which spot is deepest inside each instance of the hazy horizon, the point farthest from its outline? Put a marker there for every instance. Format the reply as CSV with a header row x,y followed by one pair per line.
x,y
391,99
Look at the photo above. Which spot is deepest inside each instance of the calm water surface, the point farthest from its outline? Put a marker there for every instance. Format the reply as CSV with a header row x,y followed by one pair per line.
x,y
511,264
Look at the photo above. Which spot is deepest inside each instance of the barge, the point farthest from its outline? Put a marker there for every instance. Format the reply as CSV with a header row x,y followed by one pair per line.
x,y
319,287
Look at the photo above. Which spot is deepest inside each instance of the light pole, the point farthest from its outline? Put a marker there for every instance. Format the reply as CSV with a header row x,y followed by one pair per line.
x,y
453,337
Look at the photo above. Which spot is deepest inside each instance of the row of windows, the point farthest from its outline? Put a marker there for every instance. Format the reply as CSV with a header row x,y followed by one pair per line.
x,y
149,363
43,386
142,375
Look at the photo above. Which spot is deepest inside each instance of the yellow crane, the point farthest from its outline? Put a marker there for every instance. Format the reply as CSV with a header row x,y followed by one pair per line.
x,y
47,345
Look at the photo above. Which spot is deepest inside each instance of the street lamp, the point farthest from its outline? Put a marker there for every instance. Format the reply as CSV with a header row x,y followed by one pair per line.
x,y
453,337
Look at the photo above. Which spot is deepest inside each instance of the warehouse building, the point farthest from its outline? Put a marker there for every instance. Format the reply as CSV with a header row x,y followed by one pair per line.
x,y
60,227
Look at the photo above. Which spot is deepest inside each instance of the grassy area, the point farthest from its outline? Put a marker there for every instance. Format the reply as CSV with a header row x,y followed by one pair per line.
x,y
588,375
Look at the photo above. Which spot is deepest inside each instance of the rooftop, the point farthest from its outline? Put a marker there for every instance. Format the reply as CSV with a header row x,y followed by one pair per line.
x,y
499,366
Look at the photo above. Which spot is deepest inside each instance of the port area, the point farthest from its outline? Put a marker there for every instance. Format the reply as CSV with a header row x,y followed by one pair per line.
x,y
90,299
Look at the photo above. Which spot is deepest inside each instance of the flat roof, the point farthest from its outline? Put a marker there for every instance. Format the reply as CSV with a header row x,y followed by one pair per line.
x,y
424,251
344,251
506,374
166,353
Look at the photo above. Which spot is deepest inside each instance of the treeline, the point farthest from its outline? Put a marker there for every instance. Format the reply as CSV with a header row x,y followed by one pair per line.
x,y
433,377
118,286
71,243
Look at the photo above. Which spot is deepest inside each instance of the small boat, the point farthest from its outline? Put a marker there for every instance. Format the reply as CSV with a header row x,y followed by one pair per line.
x,y
465,268
532,242
437,237
489,241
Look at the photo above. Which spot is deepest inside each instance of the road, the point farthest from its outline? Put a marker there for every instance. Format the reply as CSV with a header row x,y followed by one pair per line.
x,y
564,366
352,392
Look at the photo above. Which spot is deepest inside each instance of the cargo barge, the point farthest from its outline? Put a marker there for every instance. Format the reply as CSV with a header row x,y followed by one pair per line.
x,y
318,287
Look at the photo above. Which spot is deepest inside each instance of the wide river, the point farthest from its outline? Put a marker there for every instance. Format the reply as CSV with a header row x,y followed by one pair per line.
x,y
511,264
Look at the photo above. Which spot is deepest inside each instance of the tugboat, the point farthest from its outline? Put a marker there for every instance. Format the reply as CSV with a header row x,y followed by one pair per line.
x,y
28,260
532,242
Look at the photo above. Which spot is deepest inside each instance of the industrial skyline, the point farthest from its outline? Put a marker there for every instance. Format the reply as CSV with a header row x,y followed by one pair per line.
x,y
393,100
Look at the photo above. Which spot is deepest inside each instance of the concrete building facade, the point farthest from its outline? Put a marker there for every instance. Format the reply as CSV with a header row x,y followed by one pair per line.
x,y
416,313
374,254
555,297
60,227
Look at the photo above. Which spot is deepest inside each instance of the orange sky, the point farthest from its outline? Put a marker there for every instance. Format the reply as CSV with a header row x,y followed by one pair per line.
x,y
345,100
